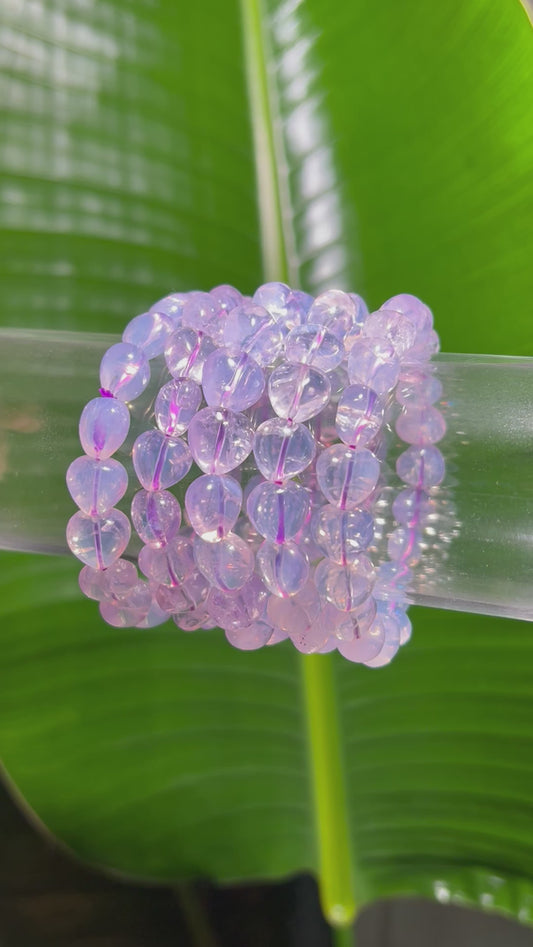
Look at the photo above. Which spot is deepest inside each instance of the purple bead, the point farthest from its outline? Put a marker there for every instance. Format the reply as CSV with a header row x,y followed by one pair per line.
x,y
170,565
156,516
282,449
98,541
227,565
373,362
364,646
176,404
149,332
232,381
250,328
359,415
213,504
313,344
128,612
124,371
412,506
387,622
220,440
420,425
278,512
115,580
391,327
201,312
282,303
251,637
418,387
283,567
298,392
289,616
240,608
421,466
393,580
160,461
104,426
404,545
345,587
185,597
350,625
335,310
96,485
186,353
347,476
404,624
171,306
155,616
192,620
342,534
415,310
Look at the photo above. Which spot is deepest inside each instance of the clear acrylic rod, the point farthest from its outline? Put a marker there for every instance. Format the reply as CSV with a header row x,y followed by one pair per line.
x,y
480,545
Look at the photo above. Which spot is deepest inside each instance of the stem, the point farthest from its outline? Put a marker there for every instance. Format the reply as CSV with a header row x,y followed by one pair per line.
x,y
343,936
336,874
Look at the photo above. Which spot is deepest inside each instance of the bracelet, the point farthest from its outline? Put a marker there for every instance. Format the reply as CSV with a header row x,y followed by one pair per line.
x,y
286,405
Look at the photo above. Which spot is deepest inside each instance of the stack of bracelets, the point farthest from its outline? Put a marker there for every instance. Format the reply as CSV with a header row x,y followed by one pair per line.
x,y
285,403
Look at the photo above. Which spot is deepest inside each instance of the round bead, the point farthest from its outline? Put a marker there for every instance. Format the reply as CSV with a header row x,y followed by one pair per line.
x,y
286,307
392,583
201,312
405,625
156,516
347,476
104,426
169,565
359,415
98,541
127,612
392,327
213,504
155,616
186,353
278,512
160,461
420,425
250,328
124,371
96,485
175,406
171,306
421,466
415,310
373,362
232,381
251,637
220,440
335,310
298,392
342,534
115,580
240,608
283,567
412,507
193,619
227,565
345,587
365,645
186,596
386,621
282,449
307,634
349,625
149,332
313,344
419,388
404,545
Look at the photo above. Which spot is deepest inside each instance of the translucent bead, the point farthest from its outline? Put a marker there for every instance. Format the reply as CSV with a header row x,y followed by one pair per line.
x,y
404,545
232,381
313,344
345,587
124,371
283,567
97,542
364,646
160,461
169,565
386,621
238,609
220,440
176,404
226,298
298,391
392,327
155,616
213,504
415,310
186,353
251,637
421,466
392,583
277,636
404,623
127,612
343,534
188,595
359,415
286,307
373,362
278,512
96,485
149,332
420,425
347,476
201,312
419,388
227,565
335,310
306,634
412,507
115,580
192,620
156,516
250,328
350,625
104,426
171,306
282,449
121,576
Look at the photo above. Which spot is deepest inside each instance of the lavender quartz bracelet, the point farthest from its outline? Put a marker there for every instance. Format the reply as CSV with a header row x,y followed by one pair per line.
x,y
285,403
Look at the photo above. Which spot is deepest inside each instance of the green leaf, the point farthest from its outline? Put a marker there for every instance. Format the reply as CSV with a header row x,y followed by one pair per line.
x,y
393,147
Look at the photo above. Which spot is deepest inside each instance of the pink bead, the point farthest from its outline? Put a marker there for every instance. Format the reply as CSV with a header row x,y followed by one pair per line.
x,y
347,476
278,512
250,328
175,406
155,616
374,363
283,568
404,544
250,637
418,387
156,516
364,646
392,327
335,310
386,622
413,308
127,612
413,507
186,353
420,425
124,371
227,565
160,461
393,580
96,485
201,312
117,579
213,504
282,449
171,306
220,440
170,565
149,332
297,391
104,426
345,587
97,542
359,415
232,381
421,466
